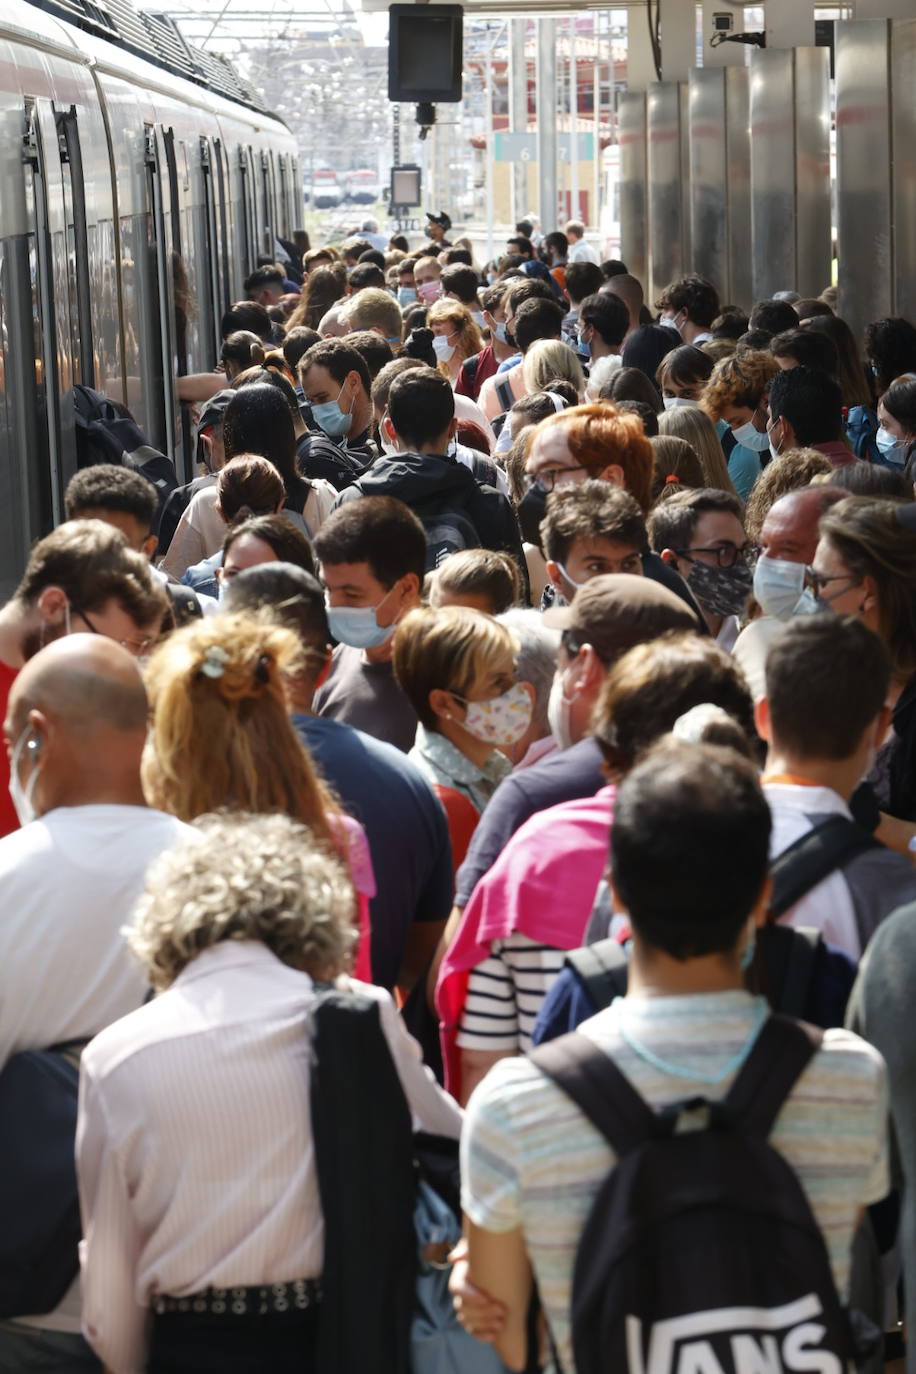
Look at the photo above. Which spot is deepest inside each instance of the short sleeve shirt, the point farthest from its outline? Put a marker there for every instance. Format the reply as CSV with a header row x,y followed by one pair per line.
x,y
529,1159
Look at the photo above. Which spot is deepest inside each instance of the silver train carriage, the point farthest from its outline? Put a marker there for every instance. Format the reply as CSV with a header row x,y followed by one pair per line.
x,y
139,181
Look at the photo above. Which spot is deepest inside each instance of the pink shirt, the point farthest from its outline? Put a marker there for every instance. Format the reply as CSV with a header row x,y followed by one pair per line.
x,y
543,884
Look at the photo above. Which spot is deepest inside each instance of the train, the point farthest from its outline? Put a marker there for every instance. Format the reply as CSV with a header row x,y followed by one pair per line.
x,y
140,180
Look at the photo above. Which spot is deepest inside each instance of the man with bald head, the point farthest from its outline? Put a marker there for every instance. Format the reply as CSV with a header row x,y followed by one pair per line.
x,y
788,539
75,729
630,292
82,577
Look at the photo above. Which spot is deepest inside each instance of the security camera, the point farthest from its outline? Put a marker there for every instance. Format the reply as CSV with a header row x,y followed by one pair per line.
x,y
722,22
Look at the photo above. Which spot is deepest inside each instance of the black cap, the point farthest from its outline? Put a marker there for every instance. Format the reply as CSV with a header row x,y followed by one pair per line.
x,y
441,219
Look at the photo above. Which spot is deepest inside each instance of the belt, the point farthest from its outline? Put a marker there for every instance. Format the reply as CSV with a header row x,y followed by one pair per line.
x,y
259,1300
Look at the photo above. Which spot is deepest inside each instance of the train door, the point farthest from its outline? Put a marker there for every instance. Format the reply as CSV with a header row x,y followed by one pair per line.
x,y
58,276
221,193
153,267
284,225
207,254
249,212
269,219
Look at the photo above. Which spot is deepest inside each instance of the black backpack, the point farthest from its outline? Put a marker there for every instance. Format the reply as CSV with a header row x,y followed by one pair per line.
x,y
38,1198
700,1251
105,435
447,531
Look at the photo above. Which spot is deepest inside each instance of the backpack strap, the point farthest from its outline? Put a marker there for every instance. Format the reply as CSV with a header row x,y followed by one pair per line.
x,y
598,1088
790,953
504,394
601,969
470,370
781,1053
812,858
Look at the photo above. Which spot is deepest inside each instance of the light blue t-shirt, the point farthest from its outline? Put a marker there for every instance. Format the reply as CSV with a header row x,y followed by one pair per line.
x,y
743,469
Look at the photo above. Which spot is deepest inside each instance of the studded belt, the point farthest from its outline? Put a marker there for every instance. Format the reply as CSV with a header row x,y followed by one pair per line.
x,y
258,1301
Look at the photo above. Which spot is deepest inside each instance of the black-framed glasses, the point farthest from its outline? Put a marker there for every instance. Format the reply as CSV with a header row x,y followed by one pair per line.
x,y
137,647
546,480
818,581
726,555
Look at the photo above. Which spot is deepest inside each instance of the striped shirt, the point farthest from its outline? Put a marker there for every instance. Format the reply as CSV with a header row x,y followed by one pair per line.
x,y
505,993
529,1158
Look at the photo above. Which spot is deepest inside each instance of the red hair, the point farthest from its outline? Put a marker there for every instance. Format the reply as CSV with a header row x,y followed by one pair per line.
x,y
600,435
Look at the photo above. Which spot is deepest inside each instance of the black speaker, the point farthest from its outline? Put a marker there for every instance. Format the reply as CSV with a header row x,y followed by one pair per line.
x,y
425,52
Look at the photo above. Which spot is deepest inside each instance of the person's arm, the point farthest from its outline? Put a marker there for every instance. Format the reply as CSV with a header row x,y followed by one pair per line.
x,y
433,1109
449,931
498,1266
113,1323
488,1030
420,947
198,387
475,1065
897,835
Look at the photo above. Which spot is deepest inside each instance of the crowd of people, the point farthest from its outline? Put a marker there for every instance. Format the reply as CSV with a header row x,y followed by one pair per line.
x,y
507,738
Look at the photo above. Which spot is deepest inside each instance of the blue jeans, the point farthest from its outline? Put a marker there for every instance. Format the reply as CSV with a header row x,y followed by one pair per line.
x,y
29,1350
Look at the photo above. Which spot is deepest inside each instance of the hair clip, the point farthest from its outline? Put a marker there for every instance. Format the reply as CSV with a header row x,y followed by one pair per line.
x,y
673,477
215,660
262,670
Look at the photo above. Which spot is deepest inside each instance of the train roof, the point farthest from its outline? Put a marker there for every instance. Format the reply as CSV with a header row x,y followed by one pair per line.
x,y
157,38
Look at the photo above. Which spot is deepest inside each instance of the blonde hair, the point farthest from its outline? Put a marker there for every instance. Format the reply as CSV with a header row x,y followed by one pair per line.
x,y
222,736
692,424
478,572
551,360
245,877
450,648
451,312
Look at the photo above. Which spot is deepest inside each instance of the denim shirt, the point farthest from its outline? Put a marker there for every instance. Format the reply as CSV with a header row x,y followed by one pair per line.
x,y
445,765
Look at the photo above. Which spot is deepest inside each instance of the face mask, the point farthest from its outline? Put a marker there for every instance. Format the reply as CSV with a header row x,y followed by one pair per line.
x,y
673,402
22,796
358,626
584,348
477,317
407,295
501,333
558,712
571,580
889,446
429,291
500,720
749,436
778,586
504,442
721,591
442,348
747,957
669,321
774,448
331,419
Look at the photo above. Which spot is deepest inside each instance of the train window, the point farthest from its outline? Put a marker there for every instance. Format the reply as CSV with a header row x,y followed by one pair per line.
x,y
207,256
152,278
77,245
249,211
269,223
283,225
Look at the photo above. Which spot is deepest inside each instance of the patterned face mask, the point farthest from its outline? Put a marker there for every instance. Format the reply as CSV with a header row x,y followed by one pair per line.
x,y
721,591
500,721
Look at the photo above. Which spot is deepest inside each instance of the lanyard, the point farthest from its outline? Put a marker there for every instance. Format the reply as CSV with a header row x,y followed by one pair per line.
x,y
795,779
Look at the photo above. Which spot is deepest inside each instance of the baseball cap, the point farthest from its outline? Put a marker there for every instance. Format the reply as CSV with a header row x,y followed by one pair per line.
x,y
442,219
210,414
616,611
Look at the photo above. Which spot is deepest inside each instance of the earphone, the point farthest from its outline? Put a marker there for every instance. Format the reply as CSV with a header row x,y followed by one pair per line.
x,y
33,746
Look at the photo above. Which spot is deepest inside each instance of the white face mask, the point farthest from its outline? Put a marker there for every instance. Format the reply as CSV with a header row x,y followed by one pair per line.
x,y
22,797
672,402
477,317
442,348
387,445
559,707
670,322
749,436
779,586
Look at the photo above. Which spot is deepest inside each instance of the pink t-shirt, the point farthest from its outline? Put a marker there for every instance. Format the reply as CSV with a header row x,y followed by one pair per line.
x,y
353,847
543,884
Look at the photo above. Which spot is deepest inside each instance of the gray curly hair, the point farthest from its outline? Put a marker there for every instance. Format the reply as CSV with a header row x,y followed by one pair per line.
x,y
245,877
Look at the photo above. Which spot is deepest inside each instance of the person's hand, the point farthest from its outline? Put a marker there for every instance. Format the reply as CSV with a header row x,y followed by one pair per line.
x,y
481,1316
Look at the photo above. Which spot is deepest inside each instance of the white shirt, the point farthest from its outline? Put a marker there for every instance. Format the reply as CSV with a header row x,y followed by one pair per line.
x,y
68,884
582,252
828,907
194,1150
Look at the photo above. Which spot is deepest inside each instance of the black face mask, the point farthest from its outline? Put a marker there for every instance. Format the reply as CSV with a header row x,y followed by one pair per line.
x,y
530,512
510,337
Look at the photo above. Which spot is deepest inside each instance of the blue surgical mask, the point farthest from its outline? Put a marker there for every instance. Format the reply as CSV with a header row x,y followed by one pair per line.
x,y
500,332
584,348
358,626
330,419
890,447
749,436
407,295
779,588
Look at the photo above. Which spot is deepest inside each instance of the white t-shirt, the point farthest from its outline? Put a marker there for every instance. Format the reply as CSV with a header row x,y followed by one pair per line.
x,y
69,882
582,252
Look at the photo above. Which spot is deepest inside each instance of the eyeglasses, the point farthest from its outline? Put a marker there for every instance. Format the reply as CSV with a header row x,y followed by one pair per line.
x,y
817,582
546,479
726,555
137,647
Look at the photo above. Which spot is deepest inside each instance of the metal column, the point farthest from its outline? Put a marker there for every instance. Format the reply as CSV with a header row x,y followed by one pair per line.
x,y
518,113
634,208
663,124
709,176
573,122
738,165
547,123
903,114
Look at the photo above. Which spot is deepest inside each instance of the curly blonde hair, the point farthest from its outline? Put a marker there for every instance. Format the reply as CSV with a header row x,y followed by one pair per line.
x,y
469,341
222,736
244,877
